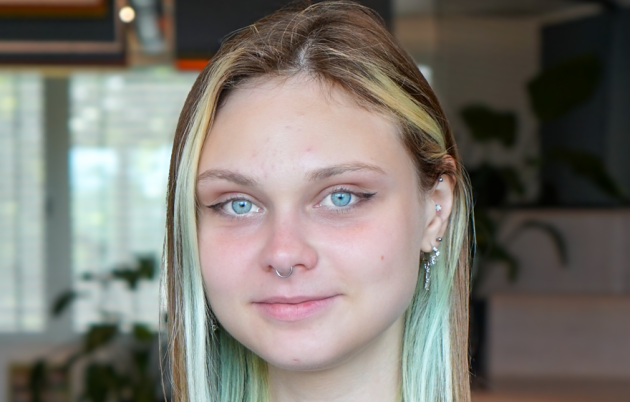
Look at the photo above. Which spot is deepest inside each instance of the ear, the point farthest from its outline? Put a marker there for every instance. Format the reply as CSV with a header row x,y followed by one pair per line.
x,y
438,206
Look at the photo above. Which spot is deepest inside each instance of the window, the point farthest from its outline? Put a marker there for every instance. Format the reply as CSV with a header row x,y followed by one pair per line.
x,y
22,297
121,131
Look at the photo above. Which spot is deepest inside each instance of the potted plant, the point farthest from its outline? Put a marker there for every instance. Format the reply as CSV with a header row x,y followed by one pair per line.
x,y
552,94
117,358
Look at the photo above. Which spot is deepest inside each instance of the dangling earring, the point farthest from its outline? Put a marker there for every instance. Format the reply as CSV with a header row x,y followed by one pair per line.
x,y
428,260
213,322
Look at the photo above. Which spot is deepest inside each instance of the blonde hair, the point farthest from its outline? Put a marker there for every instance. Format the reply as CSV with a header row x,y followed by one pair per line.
x,y
346,45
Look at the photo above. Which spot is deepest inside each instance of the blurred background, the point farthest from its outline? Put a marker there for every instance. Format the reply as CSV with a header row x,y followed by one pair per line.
x,y
537,92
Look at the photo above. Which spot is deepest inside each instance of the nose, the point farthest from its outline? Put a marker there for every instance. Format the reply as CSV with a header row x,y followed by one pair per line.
x,y
287,248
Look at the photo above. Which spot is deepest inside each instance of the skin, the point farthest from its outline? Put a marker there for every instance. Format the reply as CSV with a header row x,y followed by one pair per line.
x,y
286,146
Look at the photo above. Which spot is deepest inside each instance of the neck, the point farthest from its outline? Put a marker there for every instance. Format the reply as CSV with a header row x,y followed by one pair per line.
x,y
373,374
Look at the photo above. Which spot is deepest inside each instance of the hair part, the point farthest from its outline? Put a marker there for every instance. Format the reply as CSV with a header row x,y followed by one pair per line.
x,y
345,45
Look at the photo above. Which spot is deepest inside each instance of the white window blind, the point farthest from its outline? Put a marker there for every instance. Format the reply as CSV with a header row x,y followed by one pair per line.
x,y
22,294
121,128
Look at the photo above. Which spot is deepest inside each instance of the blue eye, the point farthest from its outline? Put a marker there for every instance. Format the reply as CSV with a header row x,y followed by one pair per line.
x,y
341,199
241,206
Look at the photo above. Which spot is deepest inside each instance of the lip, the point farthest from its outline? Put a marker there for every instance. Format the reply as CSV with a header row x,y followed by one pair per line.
x,y
294,308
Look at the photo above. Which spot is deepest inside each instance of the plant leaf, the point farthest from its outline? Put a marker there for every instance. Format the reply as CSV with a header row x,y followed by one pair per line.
x,y
141,358
128,275
559,89
486,124
62,302
513,179
498,253
100,382
146,266
552,231
142,332
590,167
37,380
99,335
533,161
488,248
489,186
485,229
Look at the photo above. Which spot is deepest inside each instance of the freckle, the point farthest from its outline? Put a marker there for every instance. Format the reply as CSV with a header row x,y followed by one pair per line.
x,y
382,257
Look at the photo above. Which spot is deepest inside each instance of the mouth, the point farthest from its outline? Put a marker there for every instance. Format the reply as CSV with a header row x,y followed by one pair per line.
x,y
294,308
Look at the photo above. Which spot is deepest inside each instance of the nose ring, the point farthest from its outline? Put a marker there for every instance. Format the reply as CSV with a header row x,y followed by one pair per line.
x,y
284,276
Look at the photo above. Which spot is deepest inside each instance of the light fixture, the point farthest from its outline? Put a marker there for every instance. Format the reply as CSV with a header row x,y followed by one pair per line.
x,y
127,14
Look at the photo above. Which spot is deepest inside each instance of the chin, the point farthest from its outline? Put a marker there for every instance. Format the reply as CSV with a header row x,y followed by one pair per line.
x,y
306,355
302,361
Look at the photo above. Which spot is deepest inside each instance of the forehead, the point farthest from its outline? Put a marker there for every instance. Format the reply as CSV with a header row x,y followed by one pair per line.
x,y
297,124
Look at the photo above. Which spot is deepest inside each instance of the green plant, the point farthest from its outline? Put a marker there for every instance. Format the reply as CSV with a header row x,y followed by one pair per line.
x,y
553,93
126,375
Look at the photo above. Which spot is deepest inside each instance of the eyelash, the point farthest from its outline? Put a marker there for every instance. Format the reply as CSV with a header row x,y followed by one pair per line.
x,y
363,197
218,207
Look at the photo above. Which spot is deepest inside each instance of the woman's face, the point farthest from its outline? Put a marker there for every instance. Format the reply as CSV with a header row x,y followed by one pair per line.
x,y
295,174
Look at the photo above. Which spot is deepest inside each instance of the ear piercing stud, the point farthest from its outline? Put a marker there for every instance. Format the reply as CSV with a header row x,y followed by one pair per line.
x,y
438,207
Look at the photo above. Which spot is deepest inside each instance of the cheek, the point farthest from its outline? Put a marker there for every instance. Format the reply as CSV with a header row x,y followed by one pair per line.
x,y
382,253
224,263
378,264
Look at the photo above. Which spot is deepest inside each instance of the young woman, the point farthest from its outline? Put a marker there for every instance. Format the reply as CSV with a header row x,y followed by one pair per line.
x,y
317,239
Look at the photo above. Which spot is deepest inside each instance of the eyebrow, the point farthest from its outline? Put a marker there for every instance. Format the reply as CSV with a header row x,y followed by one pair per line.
x,y
228,175
316,175
327,172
